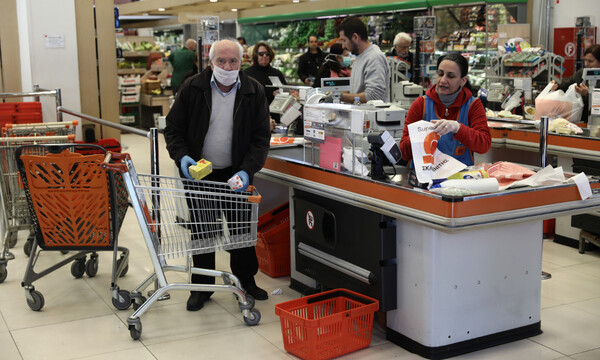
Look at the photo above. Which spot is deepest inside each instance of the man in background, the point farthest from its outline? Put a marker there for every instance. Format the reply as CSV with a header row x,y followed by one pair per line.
x,y
310,62
182,61
401,49
370,71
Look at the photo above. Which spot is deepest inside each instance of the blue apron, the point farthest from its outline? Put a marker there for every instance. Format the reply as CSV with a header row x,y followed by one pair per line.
x,y
447,143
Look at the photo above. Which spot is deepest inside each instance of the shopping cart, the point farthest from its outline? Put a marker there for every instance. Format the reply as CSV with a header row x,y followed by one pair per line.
x,y
74,205
224,220
15,214
28,130
40,129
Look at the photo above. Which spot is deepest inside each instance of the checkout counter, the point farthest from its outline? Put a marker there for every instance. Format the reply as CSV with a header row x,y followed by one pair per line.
x,y
454,273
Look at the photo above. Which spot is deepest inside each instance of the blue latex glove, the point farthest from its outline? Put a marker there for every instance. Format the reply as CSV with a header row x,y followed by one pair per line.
x,y
185,162
245,179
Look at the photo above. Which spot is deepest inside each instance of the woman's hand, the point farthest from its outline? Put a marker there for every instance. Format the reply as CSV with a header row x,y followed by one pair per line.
x,y
273,124
443,127
582,89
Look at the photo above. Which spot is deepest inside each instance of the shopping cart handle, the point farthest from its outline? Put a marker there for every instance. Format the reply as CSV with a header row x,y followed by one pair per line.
x,y
120,167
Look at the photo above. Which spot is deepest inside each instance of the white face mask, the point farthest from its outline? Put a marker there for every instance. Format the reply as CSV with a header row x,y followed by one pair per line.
x,y
225,77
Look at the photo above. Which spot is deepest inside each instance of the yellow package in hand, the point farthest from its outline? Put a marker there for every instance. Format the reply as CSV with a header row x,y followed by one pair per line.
x,y
201,169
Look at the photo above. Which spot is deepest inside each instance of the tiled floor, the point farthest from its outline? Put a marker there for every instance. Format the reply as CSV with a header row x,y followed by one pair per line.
x,y
79,321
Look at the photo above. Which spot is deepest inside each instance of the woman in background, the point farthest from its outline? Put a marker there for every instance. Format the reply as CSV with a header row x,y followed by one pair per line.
x,y
591,59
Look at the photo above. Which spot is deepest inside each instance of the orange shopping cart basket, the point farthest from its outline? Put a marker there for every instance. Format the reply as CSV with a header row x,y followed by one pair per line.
x,y
74,206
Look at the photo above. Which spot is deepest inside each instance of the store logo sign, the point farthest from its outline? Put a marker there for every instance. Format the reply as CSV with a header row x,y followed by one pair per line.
x,y
310,220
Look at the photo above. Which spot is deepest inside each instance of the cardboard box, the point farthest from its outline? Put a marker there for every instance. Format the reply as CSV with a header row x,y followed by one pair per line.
x,y
509,31
129,80
133,98
150,87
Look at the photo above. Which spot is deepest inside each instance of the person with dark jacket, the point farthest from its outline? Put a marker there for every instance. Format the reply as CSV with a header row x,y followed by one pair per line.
x,y
459,118
220,115
261,69
591,59
310,62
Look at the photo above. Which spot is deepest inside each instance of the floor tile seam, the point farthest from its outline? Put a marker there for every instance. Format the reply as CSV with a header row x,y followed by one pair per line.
x,y
184,337
109,352
548,347
571,304
586,351
60,322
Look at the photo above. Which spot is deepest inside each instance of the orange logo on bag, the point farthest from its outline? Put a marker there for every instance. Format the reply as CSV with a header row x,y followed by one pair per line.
x,y
430,145
460,150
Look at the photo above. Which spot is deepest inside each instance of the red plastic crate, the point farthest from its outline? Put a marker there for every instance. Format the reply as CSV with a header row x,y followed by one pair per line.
x,y
29,107
11,107
273,244
328,324
6,117
27,118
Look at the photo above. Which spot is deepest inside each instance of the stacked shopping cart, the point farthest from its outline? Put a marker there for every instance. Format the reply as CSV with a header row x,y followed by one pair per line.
x,y
15,213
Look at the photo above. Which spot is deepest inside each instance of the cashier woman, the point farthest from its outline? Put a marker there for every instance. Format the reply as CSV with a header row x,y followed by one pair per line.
x,y
459,118
591,59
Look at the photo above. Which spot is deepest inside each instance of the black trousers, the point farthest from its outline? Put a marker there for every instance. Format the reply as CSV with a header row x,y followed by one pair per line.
x,y
243,262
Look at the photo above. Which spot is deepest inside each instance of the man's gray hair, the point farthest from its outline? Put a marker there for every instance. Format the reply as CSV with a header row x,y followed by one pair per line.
x,y
211,52
402,36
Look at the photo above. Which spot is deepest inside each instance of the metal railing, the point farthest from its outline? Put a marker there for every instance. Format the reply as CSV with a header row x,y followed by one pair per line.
x,y
152,134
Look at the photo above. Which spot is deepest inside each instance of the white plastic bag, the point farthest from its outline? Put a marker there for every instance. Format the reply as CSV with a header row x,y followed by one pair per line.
x,y
559,104
430,163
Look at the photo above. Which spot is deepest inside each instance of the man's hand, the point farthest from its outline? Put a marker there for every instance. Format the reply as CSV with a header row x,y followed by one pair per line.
x,y
443,127
184,164
582,89
239,182
273,124
306,81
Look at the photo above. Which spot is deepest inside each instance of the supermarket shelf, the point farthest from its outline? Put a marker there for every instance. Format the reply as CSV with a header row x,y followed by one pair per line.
x,y
131,71
127,54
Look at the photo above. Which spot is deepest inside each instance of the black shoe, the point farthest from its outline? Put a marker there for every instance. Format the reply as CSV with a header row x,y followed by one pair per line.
x,y
196,301
253,290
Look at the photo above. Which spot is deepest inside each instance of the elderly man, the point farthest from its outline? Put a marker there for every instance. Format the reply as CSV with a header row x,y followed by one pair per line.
x,y
182,61
221,115
401,48
370,71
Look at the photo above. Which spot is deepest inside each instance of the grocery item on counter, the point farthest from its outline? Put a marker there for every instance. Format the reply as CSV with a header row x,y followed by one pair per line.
x,y
564,126
509,115
472,174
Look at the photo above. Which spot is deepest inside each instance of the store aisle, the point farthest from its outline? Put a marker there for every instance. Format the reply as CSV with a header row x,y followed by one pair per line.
x,y
80,322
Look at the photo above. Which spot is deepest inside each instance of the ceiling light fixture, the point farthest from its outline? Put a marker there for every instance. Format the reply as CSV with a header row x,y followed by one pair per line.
x,y
233,9
295,1
161,9
214,0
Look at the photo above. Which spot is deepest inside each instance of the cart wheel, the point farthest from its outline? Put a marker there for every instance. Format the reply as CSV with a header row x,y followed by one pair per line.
x,y
255,318
38,300
125,269
135,330
138,302
91,267
3,273
27,246
12,239
250,300
64,252
78,267
123,301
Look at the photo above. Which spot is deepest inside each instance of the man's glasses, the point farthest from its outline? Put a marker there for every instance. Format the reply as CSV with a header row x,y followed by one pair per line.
x,y
263,53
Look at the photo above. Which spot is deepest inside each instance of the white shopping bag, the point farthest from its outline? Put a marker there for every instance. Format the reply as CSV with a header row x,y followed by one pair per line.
x,y
558,104
430,163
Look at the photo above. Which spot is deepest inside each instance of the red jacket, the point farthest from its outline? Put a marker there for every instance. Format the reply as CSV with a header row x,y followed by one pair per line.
x,y
476,136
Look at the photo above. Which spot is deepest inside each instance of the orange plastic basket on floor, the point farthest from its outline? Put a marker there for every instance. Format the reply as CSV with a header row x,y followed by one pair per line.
x,y
273,244
328,324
